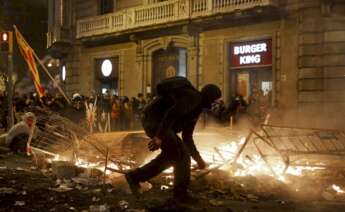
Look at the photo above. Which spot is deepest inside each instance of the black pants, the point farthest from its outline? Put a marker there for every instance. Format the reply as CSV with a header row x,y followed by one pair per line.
x,y
174,153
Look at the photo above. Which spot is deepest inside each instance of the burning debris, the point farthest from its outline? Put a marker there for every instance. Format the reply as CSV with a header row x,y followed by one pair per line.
x,y
287,159
280,163
280,152
241,161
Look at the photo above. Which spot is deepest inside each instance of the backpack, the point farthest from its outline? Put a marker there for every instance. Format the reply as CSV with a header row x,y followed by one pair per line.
x,y
154,112
167,86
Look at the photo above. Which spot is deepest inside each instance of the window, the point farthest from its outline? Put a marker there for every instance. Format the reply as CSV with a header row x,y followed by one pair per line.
x,y
106,6
266,87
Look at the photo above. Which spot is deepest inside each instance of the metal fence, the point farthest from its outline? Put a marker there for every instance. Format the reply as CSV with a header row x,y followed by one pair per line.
x,y
297,146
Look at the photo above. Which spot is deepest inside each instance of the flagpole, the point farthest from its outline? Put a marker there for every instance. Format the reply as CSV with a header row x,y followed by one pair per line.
x,y
51,77
46,70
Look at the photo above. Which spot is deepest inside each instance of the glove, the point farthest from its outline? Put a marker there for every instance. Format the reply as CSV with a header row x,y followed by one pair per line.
x,y
154,144
201,163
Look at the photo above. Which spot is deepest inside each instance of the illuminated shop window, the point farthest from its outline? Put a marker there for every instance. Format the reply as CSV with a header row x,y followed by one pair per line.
x,y
266,87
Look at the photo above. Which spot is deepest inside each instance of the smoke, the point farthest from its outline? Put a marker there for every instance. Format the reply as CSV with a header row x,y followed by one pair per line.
x,y
26,85
51,86
242,122
317,115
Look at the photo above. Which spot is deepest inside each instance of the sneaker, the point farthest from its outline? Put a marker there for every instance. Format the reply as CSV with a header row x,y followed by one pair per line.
x,y
133,185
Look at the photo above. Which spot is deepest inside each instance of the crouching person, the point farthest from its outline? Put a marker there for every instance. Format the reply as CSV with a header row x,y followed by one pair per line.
x,y
18,138
175,109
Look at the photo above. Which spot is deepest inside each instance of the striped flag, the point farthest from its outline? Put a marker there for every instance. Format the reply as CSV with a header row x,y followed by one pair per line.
x,y
27,53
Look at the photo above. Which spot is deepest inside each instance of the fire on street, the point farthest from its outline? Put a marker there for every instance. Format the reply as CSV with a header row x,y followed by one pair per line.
x,y
172,105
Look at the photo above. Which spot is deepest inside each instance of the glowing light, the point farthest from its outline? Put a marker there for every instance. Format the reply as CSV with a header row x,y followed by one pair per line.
x,y
63,73
56,158
248,164
337,189
106,68
4,37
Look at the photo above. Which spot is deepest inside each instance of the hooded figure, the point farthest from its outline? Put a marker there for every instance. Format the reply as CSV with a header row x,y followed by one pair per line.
x,y
175,110
20,135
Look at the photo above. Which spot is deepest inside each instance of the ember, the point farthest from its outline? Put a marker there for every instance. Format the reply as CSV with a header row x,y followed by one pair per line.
x,y
239,157
230,156
337,189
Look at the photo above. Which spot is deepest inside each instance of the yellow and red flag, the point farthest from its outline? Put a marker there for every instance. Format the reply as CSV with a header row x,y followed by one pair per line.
x,y
27,53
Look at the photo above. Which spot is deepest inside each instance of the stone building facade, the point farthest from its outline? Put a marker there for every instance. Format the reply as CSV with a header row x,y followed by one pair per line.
x,y
291,51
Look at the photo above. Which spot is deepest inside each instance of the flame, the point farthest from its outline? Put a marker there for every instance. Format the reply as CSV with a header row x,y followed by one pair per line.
x,y
83,163
246,165
338,189
100,166
253,165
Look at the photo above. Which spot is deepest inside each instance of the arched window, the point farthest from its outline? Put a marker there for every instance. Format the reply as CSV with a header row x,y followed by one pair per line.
x,y
168,63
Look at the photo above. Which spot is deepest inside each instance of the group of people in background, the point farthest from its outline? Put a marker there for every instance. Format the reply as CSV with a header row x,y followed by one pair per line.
x,y
99,113
107,112
255,111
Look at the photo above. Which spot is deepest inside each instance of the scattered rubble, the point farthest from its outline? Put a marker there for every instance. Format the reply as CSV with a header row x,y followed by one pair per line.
x,y
123,205
244,171
99,208
64,169
19,203
6,190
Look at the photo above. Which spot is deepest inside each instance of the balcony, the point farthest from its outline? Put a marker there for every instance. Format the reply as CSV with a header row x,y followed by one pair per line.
x,y
162,13
58,41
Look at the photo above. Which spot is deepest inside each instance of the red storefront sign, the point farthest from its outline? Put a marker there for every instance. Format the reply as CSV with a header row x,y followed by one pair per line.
x,y
251,54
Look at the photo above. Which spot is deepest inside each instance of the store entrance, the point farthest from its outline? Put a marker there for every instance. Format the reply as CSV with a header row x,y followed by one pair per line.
x,y
168,63
255,85
107,75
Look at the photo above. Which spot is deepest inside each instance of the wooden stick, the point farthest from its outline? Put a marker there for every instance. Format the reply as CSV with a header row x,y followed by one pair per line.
x,y
46,70
105,166
267,118
52,79
108,120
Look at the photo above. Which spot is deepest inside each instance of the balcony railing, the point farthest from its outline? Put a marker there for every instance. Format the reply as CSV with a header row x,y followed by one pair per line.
x,y
161,13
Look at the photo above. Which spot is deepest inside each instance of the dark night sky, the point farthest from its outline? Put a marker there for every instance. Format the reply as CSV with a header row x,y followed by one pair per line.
x,y
38,2
30,16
